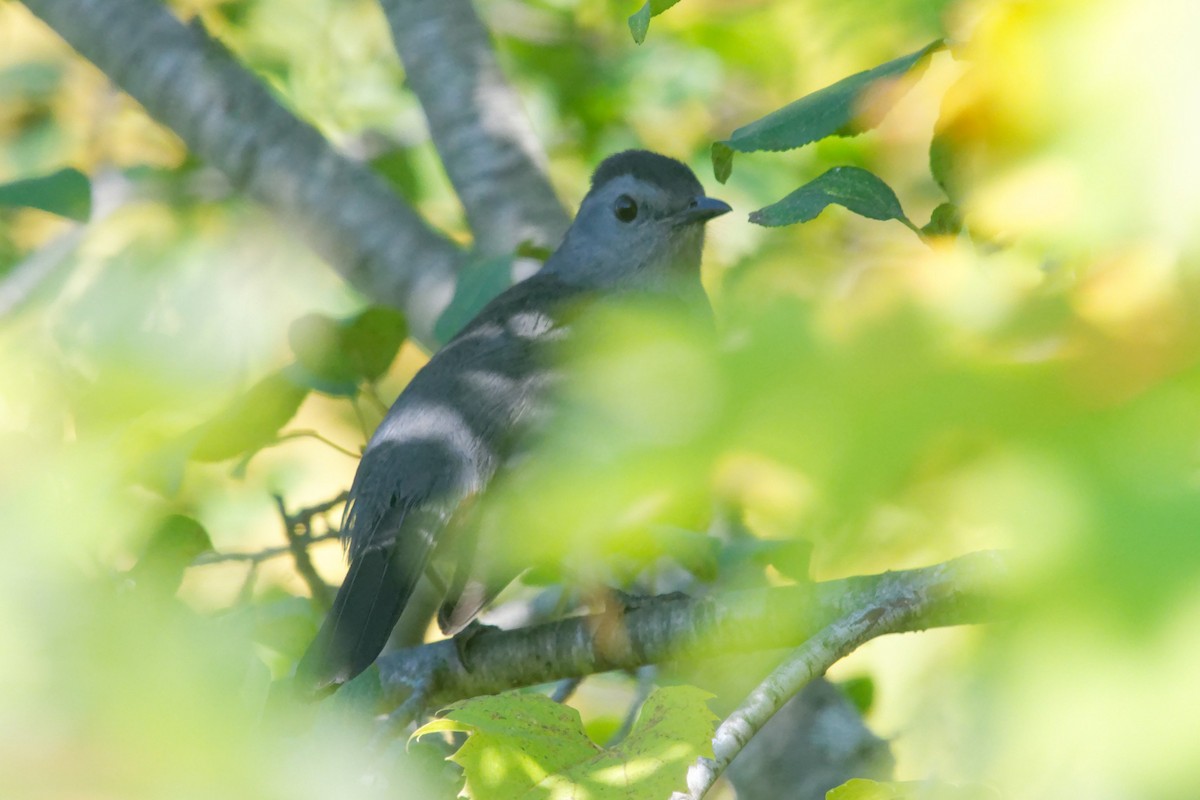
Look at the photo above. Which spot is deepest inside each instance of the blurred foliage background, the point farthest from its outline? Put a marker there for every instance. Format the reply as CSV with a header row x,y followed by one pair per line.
x,y
888,401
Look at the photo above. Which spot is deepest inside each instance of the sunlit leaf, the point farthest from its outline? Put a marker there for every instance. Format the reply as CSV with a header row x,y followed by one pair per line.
x,y
944,221
862,789
852,187
67,193
528,746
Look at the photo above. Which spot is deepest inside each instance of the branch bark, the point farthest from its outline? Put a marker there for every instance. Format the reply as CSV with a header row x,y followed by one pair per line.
x,y
191,84
957,592
895,607
477,123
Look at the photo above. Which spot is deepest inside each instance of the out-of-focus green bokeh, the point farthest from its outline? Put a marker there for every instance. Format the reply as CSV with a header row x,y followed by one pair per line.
x,y
891,402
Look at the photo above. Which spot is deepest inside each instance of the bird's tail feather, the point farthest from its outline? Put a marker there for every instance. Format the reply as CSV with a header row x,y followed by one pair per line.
x,y
377,587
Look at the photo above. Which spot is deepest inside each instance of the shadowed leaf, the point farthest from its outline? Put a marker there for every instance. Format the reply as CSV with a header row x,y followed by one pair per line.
x,y
67,193
856,189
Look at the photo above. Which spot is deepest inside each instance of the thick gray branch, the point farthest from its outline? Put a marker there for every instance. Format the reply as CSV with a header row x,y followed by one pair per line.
x,y
662,629
477,123
192,85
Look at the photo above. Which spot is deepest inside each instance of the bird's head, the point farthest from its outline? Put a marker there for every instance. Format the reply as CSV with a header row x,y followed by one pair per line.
x,y
641,226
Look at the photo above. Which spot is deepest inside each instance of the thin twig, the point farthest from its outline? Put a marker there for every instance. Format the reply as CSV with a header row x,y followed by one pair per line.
x,y
311,434
259,556
297,530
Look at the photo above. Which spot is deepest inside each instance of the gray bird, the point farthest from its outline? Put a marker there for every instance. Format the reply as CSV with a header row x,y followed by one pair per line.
x,y
639,230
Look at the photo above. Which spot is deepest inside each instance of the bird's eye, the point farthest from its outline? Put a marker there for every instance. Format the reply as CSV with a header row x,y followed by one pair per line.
x,y
625,208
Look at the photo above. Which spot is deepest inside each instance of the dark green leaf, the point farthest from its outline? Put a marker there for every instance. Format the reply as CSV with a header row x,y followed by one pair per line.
x,y
251,421
852,187
372,339
831,111
67,193
941,164
333,356
945,221
478,284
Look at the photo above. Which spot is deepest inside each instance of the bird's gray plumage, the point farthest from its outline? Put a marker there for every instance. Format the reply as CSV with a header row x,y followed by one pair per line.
x,y
463,414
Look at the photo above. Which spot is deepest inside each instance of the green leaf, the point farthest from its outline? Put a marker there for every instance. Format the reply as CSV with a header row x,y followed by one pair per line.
x,y
860,691
372,339
639,23
941,164
790,557
477,285
172,548
251,421
722,160
527,746
333,356
945,221
67,193
694,551
852,187
316,339
831,111
862,789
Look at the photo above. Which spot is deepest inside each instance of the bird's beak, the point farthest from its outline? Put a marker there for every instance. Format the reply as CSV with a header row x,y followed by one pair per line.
x,y
702,209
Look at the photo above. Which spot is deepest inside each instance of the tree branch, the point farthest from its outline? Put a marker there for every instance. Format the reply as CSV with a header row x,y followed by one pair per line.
x,y
894,608
661,629
191,84
477,123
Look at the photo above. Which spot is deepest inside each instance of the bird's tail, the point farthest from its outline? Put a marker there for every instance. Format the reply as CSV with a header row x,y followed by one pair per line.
x,y
377,587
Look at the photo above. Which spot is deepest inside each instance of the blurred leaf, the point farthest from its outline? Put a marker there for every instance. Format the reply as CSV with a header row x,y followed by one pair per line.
x,y
316,339
861,789
284,622
693,550
790,557
67,193
722,160
372,339
478,283
832,111
860,691
397,167
527,249
252,420
639,23
527,745
172,548
857,189
334,355
945,221
544,574
941,164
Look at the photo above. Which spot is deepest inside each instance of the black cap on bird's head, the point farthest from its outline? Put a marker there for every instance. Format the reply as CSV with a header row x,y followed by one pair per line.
x,y
649,167
641,223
